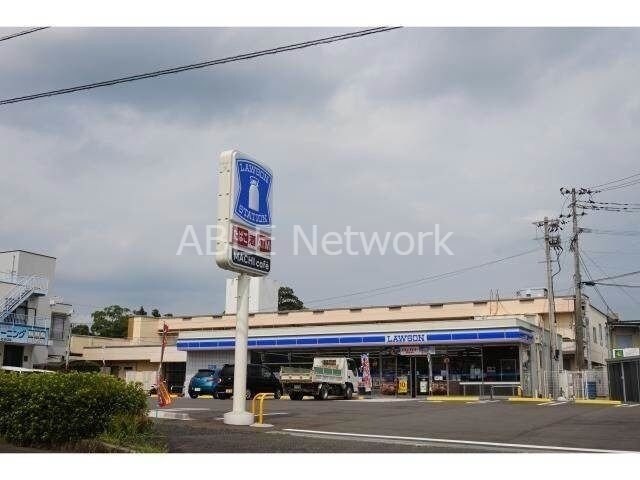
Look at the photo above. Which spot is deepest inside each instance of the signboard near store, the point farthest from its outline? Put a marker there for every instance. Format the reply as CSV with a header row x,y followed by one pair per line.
x,y
416,350
366,372
424,385
626,352
24,334
244,214
403,384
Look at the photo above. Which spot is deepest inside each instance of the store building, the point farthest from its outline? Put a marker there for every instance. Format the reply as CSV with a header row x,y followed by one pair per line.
x,y
455,347
34,325
459,347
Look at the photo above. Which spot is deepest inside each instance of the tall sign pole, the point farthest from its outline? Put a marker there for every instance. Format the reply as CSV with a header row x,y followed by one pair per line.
x,y
243,246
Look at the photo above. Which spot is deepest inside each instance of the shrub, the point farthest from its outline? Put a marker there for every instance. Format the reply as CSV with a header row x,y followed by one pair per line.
x,y
54,409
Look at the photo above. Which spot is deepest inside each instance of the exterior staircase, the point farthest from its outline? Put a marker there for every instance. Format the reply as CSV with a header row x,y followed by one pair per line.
x,y
25,286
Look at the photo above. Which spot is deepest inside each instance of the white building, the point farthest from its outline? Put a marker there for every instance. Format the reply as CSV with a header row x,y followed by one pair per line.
x,y
34,326
263,295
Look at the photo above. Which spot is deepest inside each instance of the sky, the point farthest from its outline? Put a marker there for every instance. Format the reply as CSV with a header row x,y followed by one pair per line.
x,y
474,130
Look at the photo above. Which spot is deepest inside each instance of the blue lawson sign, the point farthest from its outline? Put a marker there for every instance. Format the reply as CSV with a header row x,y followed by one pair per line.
x,y
252,204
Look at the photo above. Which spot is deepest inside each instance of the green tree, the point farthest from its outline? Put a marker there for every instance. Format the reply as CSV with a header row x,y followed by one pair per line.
x,y
287,300
111,321
155,313
140,311
82,329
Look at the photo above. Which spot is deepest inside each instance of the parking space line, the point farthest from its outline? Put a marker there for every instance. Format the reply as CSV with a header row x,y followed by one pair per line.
x,y
264,414
552,404
454,442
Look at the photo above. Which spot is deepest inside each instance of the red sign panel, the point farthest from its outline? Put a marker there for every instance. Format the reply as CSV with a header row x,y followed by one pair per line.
x,y
252,240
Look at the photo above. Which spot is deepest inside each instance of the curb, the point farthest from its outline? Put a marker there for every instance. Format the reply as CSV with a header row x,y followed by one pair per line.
x,y
452,398
597,402
529,399
168,415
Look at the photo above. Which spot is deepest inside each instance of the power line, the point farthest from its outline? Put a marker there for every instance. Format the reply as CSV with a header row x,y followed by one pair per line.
x,y
209,63
622,185
597,231
613,252
612,277
631,297
24,32
618,285
616,181
411,283
592,284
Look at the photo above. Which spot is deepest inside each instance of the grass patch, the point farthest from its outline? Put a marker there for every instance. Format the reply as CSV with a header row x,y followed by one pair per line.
x,y
133,432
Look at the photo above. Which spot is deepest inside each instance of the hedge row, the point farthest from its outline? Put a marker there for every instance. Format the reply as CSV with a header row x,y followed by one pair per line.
x,y
54,409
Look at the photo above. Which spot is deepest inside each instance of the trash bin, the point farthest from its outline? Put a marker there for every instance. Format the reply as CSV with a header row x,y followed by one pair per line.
x,y
591,390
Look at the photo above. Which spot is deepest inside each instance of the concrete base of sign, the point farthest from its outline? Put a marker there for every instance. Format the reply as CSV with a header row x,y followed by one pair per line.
x,y
238,418
261,425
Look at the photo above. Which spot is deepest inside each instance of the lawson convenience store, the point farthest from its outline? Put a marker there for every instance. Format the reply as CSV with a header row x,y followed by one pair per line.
x,y
407,358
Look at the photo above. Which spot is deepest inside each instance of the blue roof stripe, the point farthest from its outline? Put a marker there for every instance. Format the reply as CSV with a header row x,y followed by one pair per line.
x,y
373,339
437,337
464,336
488,335
350,339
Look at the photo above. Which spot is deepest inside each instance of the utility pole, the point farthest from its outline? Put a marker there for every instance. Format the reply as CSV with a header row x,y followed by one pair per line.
x,y
552,308
577,281
550,240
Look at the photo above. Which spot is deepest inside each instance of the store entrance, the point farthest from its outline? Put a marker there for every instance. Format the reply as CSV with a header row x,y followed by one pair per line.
x,y
420,374
413,375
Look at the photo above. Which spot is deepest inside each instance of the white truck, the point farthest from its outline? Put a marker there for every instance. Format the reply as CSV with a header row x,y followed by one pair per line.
x,y
329,376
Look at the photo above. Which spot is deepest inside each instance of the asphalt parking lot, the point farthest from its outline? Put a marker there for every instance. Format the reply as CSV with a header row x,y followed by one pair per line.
x,y
404,426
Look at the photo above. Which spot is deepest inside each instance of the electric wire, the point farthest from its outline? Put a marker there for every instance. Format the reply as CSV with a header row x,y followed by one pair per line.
x,y
622,185
584,265
411,283
615,181
208,63
627,294
19,34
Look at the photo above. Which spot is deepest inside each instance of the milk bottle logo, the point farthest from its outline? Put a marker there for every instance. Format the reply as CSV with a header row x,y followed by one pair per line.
x,y
252,204
254,195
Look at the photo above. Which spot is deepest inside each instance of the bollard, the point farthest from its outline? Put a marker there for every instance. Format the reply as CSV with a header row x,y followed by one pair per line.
x,y
258,401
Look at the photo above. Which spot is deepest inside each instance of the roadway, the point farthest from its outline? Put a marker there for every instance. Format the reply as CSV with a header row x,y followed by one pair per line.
x,y
404,426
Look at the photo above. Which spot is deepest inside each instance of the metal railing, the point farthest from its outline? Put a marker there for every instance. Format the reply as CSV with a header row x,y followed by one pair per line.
x,y
39,283
25,286
22,319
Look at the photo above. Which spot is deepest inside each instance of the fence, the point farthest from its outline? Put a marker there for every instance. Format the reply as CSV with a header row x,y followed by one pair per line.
x,y
584,384
624,379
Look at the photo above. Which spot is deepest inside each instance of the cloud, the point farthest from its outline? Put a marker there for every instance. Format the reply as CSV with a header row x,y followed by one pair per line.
x,y
472,129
